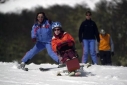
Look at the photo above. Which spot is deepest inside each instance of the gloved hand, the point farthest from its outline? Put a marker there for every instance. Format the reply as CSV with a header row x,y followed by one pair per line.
x,y
112,53
58,46
70,42
34,39
98,54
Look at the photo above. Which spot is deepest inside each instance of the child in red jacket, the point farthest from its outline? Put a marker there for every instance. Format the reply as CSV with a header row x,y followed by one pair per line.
x,y
62,42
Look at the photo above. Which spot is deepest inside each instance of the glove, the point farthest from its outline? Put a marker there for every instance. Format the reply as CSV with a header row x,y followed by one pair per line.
x,y
112,53
34,39
59,44
70,42
98,54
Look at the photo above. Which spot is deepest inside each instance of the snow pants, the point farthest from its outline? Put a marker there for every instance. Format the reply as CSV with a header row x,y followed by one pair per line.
x,y
105,57
39,46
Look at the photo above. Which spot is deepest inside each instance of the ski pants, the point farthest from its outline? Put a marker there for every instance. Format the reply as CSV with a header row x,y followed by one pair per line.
x,y
105,57
89,45
68,54
39,46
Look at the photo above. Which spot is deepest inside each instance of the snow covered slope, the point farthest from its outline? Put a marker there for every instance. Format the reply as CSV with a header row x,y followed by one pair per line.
x,y
94,75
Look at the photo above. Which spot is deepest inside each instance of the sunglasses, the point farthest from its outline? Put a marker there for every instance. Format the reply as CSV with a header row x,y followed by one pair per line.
x,y
56,29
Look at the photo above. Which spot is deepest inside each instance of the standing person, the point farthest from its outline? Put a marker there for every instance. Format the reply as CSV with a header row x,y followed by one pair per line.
x,y
106,48
41,33
59,38
88,33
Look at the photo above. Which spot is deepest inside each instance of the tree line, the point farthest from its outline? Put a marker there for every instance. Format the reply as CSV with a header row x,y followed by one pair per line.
x,y
15,34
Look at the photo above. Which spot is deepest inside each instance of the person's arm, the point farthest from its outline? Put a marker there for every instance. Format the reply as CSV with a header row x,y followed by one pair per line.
x,y
54,45
96,33
97,47
111,44
33,32
80,32
68,37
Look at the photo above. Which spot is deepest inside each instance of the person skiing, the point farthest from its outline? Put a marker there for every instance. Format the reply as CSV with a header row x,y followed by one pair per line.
x,y
63,45
60,37
41,34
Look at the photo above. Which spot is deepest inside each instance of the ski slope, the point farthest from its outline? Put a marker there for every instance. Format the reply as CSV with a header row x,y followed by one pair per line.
x,y
94,75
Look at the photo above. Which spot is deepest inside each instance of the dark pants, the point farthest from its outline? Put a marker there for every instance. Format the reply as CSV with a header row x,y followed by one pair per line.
x,y
68,54
105,57
66,51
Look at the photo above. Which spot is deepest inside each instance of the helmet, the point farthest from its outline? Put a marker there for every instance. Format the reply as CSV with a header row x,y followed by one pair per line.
x,y
102,31
56,24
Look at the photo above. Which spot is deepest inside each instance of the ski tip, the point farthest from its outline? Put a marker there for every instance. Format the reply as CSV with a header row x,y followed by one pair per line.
x,y
44,69
26,69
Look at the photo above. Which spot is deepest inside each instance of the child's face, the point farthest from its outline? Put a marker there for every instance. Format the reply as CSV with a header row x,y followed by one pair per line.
x,y
57,30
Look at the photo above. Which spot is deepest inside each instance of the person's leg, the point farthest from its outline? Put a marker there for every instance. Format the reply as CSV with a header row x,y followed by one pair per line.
x,y
85,51
71,54
29,55
52,54
92,51
102,57
65,57
37,48
108,58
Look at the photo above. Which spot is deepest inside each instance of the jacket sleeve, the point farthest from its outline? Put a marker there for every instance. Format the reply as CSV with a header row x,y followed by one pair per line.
x,y
54,44
33,32
97,47
96,33
80,32
69,37
111,44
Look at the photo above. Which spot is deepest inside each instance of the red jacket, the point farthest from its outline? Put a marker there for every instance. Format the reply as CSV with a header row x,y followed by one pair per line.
x,y
65,37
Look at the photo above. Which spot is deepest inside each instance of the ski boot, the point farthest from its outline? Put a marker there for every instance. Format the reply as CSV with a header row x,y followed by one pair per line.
x,y
22,66
61,65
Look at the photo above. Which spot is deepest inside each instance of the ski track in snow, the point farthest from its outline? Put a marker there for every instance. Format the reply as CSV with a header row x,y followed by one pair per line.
x,y
94,75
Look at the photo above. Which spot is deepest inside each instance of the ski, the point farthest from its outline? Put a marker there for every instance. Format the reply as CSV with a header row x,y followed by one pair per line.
x,y
78,72
74,73
69,74
25,69
44,69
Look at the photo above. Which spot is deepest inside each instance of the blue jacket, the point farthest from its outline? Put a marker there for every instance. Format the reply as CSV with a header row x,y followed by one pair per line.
x,y
42,32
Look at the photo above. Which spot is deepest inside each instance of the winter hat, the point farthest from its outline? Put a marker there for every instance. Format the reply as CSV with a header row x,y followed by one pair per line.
x,y
102,31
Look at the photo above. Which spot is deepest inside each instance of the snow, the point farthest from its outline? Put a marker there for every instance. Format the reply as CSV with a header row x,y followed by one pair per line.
x,y
94,75
18,5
